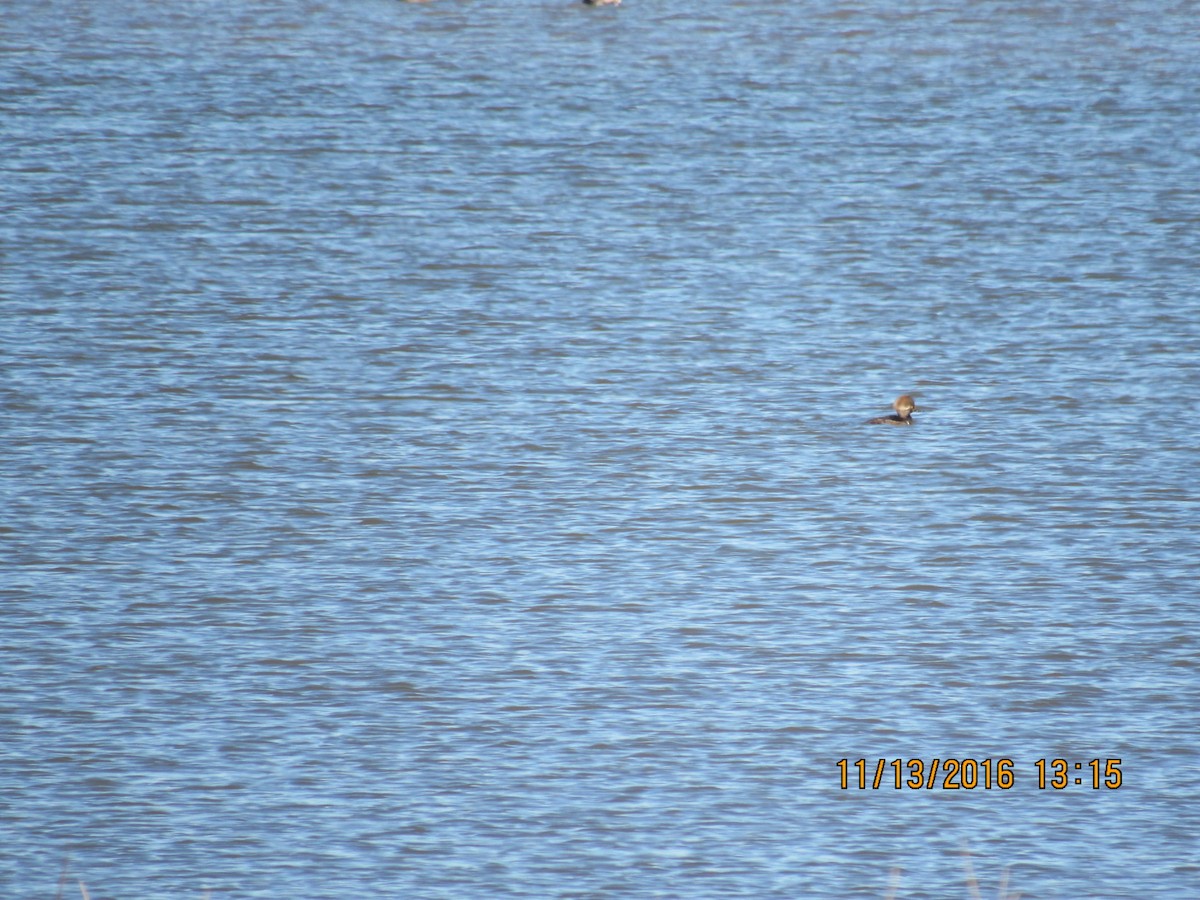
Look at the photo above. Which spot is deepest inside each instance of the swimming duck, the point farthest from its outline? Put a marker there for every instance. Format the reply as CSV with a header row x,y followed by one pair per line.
x,y
904,406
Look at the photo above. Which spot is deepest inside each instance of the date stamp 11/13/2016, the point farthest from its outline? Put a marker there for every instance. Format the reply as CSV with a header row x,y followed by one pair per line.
x,y
972,774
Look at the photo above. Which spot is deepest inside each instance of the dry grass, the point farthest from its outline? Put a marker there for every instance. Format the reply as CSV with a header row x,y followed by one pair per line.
x,y
973,888
62,882
83,891
892,891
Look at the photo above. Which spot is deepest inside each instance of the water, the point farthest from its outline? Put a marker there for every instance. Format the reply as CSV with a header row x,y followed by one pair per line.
x,y
434,461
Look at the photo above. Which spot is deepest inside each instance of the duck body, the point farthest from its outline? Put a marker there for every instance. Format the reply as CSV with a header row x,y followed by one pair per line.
x,y
904,406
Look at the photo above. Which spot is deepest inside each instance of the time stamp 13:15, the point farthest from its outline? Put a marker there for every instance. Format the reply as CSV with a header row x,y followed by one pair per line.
x,y
969,774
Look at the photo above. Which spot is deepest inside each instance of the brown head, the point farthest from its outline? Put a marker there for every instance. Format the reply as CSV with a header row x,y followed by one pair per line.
x,y
904,406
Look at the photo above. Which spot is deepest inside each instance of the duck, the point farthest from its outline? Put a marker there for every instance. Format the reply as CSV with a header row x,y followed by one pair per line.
x,y
904,406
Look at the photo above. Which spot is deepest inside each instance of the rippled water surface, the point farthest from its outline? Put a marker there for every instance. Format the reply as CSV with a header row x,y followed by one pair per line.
x,y
434,460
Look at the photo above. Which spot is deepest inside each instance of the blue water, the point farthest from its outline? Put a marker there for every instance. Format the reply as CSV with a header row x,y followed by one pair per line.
x,y
434,460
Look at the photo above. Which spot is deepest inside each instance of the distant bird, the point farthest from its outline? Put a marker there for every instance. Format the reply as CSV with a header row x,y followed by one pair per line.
x,y
904,407
601,2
